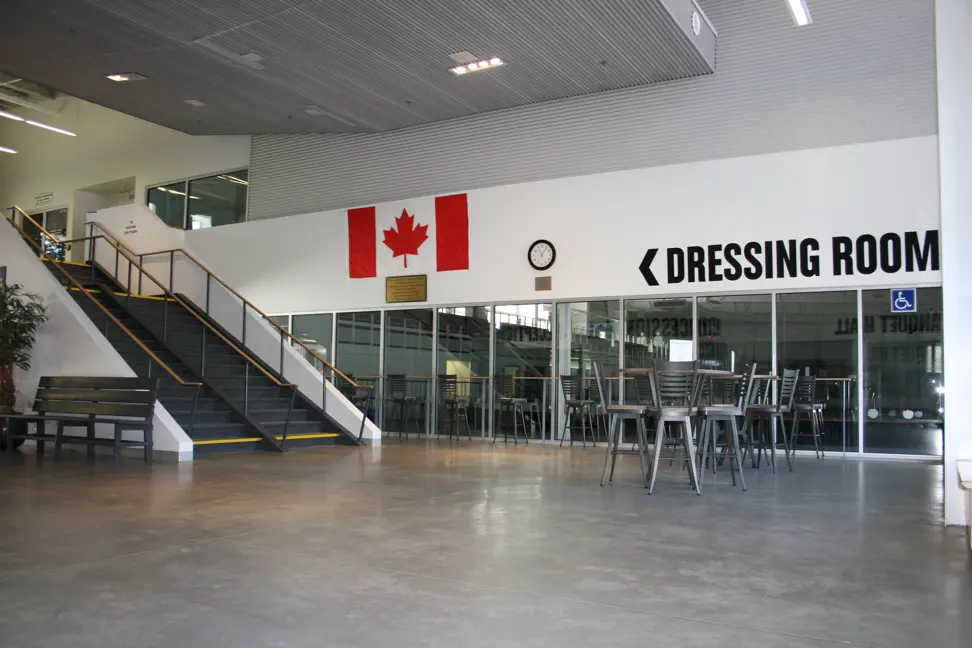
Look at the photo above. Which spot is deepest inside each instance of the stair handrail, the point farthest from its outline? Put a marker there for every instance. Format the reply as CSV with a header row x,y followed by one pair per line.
x,y
77,285
125,251
243,299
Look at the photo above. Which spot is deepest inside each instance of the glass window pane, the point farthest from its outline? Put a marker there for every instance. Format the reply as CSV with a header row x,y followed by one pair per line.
x,y
358,348
55,222
33,231
817,334
218,200
650,325
736,331
408,342
524,343
464,353
315,332
902,374
589,332
169,203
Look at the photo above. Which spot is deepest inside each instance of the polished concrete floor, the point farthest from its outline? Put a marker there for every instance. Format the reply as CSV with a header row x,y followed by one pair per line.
x,y
438,544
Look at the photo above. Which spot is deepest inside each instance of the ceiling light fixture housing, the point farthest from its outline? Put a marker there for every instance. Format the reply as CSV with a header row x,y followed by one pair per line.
x,y
125,76
800,12
476,66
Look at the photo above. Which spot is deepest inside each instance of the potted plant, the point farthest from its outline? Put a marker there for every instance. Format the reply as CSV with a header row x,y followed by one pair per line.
x,y
21,314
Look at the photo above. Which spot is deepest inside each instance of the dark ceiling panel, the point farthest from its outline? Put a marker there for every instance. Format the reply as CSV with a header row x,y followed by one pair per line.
x,y
369,66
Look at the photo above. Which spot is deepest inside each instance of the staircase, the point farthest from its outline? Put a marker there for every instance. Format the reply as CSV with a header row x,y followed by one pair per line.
x,y
241,404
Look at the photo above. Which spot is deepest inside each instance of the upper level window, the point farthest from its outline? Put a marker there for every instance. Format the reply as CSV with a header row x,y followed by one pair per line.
x,y
202,202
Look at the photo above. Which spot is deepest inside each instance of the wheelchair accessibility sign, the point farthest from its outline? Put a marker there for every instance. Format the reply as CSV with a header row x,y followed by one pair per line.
x,y
904,301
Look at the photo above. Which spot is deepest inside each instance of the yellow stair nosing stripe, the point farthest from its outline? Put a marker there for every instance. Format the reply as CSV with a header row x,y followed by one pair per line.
x,y
121,294
279,437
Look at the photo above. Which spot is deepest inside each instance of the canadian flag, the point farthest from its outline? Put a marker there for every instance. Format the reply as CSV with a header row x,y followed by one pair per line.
x,y
404,231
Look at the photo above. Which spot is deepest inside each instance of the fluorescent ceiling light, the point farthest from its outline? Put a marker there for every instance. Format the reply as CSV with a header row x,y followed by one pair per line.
x,y
801,15
476,66
52,128
10,116
125,76
195,103
4,149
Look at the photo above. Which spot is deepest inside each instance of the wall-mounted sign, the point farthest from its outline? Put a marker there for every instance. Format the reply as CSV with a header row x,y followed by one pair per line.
x,y
409,288
904,300
130,229
890,252
543,283
43,199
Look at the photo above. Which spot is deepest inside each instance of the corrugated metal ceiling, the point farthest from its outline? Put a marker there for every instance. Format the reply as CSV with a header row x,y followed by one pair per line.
x,y
371,66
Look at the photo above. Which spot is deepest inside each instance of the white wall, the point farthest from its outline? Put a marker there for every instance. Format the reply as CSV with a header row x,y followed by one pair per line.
x,y
109,146
602,225
69,344
954,24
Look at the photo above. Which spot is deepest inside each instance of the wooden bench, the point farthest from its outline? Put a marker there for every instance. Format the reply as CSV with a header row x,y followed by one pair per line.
x,y
964,467
124,403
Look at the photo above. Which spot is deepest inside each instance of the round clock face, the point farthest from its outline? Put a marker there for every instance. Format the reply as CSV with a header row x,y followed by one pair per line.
x,y
542,254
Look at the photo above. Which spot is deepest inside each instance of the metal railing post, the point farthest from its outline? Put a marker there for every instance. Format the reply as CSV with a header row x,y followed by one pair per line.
x,y
195,403
93,241
128,300
171,271
246,386
209,278
243,339
141,262
290,408
116,266
282,354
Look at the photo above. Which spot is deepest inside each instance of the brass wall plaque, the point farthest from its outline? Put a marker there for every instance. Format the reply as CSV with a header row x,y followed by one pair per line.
x,y
410,288
542,283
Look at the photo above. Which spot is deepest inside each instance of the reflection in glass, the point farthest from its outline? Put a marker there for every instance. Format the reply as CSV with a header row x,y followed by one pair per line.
x,y
218,200
315,332
408,352
524,340
358,344
735,331
903,363
816,335
464,353
169,203
650,325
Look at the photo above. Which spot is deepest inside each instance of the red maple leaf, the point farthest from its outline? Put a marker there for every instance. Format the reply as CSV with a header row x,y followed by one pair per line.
x,y
405,238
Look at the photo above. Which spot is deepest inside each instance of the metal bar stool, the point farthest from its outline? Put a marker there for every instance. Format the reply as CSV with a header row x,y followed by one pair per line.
x,y
615,431
676,393
506,399
453,402
727,407
805,402
577,405
767,413
398,396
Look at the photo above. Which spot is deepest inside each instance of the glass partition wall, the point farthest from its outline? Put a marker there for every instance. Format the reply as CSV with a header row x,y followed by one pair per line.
x,y
893,408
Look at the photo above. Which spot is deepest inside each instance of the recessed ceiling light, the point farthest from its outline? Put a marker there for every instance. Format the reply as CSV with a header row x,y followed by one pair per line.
x,y
4,149
10,116
801,14
125,76
195,103
51,128
475,66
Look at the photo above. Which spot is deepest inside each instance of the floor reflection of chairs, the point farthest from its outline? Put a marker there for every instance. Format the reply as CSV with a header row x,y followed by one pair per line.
x,y
454,406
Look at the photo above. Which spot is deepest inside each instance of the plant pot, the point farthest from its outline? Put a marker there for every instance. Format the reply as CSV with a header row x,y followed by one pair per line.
x,y
19,427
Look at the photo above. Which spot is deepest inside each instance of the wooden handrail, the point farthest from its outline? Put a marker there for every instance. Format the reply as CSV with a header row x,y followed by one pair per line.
x,y
114,319
192,311
243,299
125,252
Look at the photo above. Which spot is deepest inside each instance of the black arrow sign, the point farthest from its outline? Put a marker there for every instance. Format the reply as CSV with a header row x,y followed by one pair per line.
x,y
645,267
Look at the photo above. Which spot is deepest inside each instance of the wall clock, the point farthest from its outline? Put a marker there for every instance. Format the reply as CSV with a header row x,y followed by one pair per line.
x,y
542,254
